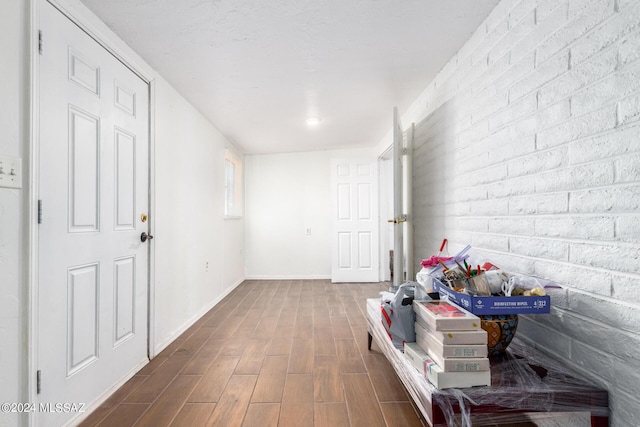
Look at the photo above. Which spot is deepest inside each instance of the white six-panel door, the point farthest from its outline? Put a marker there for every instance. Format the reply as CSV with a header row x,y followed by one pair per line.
x,y
93,181
354,190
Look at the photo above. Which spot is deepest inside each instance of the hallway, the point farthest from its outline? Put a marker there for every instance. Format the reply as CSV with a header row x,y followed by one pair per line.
x,y
288,353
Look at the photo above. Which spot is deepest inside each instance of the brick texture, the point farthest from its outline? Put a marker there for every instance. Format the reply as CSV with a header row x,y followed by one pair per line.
x,y
528,147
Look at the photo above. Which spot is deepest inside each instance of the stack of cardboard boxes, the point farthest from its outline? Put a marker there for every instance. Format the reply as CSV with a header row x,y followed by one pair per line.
x,y
450,348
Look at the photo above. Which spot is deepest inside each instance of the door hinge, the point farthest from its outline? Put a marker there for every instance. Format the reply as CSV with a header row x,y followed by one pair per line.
x,y
38,381
39,211
40,42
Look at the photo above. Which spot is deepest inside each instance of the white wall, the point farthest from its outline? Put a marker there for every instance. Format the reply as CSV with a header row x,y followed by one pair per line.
x,y
528,148
285,194
197,251
188,223
14,127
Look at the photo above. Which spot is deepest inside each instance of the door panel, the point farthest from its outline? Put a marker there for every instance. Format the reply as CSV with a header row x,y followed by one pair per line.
x,y
125,173
365,248
364,202
92,279
125,99
124,307
84,171
83,73
344,250
82,332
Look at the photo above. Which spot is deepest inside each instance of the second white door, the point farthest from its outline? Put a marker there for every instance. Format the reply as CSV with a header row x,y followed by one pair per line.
x,y
355,239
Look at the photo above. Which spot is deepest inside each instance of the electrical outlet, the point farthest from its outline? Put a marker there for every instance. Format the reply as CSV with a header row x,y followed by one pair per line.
x,y
10,172
307,231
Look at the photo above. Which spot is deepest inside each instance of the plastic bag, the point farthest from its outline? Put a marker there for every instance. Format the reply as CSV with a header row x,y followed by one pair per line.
x,y
398,317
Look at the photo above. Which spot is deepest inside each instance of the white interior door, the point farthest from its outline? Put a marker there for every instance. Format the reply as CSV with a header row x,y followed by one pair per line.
x,y
93,183
398,206
401,159
407,202
355,253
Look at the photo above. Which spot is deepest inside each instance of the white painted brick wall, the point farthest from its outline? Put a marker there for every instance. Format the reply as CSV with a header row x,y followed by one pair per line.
x,y
578,127
537,161
586,279
623,141
513,225
629,49
576,227
629,109
528,147
625,288
581,18
544,73
537,332
613,199
610,31
628,169
625,406
627,228
579,76
608,90
539,204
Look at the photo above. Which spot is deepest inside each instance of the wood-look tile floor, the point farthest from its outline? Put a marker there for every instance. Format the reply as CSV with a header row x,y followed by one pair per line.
x,y
272,353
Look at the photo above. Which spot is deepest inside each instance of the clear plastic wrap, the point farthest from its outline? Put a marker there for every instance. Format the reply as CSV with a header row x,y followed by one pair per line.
x,y
523,381
419,388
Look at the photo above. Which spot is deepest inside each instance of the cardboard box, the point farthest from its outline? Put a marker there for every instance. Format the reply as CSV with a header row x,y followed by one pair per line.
x,y
478,337
481,305
445,316
420,360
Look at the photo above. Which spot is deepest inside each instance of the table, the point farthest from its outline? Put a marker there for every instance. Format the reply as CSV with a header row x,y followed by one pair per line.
x,y
523,381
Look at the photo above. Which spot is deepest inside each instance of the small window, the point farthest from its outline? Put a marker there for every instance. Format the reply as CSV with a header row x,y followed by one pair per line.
x,y
233,188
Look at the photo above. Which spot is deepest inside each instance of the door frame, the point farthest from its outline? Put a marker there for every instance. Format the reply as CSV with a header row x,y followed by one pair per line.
x,y
96,29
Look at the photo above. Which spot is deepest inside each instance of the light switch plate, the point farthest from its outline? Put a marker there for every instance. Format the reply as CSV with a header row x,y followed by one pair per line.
x,y
10,172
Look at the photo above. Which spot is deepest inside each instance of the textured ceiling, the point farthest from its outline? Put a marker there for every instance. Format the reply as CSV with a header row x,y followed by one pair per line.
x,y
257,69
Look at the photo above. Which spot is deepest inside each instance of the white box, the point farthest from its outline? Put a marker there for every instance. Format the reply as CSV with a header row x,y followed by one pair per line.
x,y
455,337
445,316
420,360
428,340
450,364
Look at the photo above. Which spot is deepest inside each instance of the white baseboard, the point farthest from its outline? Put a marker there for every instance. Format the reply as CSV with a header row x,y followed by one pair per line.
x,y
92,406
193,319
314,277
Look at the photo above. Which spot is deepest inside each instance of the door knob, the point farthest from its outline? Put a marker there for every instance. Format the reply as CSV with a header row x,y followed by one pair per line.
x,y
144,236
400,220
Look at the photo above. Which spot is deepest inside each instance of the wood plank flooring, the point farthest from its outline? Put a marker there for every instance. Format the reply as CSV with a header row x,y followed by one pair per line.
x,y
272,353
